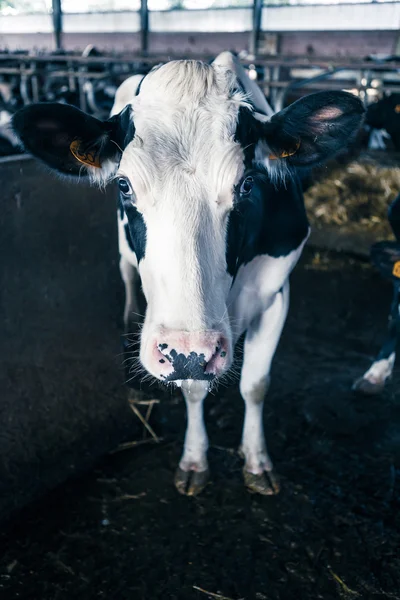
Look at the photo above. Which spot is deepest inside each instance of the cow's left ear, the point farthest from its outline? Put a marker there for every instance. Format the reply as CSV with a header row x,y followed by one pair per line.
x,y
72,142
312,129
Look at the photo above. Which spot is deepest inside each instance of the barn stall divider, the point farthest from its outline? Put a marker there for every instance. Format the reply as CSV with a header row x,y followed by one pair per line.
x,y
63,403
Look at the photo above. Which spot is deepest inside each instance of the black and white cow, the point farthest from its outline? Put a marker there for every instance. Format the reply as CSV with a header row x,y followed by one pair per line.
x,y
386,257
213,222
8,140
384,119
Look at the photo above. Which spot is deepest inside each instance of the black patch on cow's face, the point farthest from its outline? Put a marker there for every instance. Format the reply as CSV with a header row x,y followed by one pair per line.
x,y
129,237
188,367
247,134
270,220
135,231
120,207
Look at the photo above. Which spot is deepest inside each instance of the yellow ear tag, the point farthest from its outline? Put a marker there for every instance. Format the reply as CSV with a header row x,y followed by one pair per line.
x,y
397,108
90,159
285,153
396,269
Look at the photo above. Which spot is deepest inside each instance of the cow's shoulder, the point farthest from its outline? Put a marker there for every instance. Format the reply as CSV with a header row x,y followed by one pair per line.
x,y
257,283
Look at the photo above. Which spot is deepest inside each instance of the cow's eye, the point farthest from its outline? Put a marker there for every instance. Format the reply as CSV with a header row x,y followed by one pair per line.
x,y
247,186
125,187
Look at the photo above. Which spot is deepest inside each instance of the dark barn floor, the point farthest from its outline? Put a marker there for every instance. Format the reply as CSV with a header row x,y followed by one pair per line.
x,y
123,532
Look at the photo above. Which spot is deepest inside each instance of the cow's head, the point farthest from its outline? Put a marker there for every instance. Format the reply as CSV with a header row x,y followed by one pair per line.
x,y
187,151
385,113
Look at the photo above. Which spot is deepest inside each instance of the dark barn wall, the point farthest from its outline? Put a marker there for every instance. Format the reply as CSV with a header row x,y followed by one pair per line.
x,y
317,43
62,402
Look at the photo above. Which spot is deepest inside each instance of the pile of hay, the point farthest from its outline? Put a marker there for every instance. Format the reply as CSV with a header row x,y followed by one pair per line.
x,y
354,197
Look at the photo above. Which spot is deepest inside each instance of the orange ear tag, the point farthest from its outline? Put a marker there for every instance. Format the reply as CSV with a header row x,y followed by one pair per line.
x,y
397,108
285,153
90,159
396,269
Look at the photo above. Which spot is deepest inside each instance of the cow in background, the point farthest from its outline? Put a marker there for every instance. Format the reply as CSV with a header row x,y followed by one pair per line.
x,y
386,257
8,140
212,222
384,119
9,143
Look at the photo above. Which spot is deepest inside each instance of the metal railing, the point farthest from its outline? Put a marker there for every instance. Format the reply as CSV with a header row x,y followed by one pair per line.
x,y
84,78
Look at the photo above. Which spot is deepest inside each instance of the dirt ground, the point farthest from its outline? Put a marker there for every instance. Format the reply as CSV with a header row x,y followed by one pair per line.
x,y
123,532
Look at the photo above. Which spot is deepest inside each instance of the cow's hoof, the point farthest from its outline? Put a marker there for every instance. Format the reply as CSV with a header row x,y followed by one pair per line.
x,y
266,484
364,386
191,483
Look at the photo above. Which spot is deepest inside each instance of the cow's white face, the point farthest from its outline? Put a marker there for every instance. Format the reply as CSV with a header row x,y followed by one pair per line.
x,y
195,169
179,172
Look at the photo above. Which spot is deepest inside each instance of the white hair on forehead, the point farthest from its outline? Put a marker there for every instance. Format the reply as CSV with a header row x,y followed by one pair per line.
x,y
185,117
191,81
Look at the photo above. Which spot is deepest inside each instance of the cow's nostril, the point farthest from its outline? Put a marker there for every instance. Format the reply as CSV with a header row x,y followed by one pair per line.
x,y
218,362
163,353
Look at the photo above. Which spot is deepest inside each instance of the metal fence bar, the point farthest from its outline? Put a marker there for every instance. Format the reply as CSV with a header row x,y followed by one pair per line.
x,y
38,77
57,23
262,61
144,26
255,34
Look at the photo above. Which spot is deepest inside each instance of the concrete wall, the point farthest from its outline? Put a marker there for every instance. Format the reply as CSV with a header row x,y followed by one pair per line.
x,y
62,400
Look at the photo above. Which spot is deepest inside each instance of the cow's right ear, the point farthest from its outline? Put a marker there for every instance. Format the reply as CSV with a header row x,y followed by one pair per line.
x,y
312,129
72,142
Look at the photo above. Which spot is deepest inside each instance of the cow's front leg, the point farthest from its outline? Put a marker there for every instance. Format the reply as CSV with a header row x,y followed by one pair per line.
x,y
262,338
374,380
192,473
